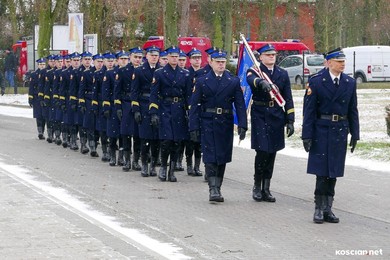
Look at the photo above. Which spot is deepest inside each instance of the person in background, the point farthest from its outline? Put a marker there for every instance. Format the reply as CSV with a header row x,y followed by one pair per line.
x,y
330,114
10,66
163,60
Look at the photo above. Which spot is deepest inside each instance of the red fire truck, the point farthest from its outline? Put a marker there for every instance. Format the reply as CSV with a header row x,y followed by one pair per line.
x,y
184,43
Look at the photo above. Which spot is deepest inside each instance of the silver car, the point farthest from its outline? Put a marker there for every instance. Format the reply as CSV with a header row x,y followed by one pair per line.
x,y
293,64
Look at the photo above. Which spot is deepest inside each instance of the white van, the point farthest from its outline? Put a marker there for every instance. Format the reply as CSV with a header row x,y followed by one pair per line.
x,y
370,63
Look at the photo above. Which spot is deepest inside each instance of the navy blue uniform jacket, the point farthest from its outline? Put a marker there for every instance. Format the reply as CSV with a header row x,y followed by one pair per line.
x,y
329,138
267,122
217,129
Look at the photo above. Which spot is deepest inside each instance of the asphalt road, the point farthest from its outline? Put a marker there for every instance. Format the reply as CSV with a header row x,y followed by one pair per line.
x,y
155,216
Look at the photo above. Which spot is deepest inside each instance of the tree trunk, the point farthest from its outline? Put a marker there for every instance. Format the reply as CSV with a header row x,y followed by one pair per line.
x,y
229,27
170,22
13,20
185,17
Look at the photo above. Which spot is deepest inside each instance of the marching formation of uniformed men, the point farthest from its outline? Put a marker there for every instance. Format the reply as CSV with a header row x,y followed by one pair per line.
x,y
158,111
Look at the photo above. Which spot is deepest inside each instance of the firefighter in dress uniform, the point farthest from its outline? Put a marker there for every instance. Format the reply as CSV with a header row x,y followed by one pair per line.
x,y
34,100
211,117
99,62
330,114
122,96
168,104
268,120
48,97
142,82
194,147
64,100
136,57
109,111
85,104
72,106
56,99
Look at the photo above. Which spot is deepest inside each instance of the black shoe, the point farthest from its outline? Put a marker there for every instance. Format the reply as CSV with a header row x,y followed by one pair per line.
x,y
41,137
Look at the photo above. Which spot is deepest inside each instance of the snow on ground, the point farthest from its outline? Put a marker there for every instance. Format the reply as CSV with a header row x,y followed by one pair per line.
x,y
371,105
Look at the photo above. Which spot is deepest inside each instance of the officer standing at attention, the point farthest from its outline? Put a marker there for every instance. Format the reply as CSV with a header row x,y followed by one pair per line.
x,y
122,96
113,123
136,56
99,62
192,147
48,97
56,99
211,116
330,114
268,120
172,85
73,111
141,87
64,100
34,100
85,105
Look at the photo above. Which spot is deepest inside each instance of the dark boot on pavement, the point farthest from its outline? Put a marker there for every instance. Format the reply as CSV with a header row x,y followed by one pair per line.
x,y
105,156
214,194
266,194
329,216
152,169
190,169
126,165
318,211
112,156
171,173
197,171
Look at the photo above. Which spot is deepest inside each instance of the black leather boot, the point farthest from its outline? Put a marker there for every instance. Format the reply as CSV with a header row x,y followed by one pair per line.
x,y
135,165
266,194
121,162
83,145
178,165
152,169
92,146
40,133
49,138
256,193
171,173
106,156
112,156
190,169
144,169
197,171
58,137
318,211
73,142
329,216
65,139
214,194
162,175
126,165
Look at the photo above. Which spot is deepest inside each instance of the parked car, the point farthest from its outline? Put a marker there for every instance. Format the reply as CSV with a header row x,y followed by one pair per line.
x,y
293,64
